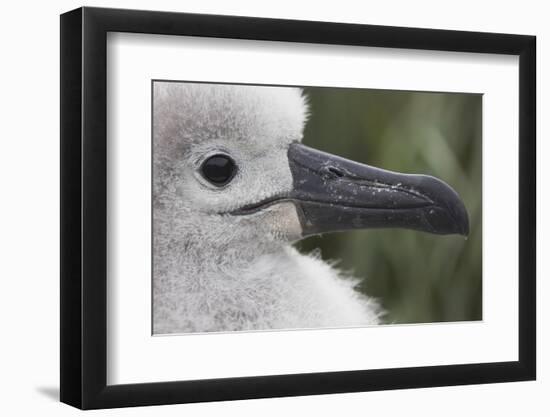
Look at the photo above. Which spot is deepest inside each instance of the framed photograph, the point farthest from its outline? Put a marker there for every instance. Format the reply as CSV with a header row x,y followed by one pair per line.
x,y
257,208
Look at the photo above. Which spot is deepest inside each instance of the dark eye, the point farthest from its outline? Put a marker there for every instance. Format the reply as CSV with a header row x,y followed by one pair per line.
x,y
219,169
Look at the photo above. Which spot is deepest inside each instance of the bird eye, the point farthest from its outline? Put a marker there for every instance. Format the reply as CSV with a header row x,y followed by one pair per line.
x,y
219,169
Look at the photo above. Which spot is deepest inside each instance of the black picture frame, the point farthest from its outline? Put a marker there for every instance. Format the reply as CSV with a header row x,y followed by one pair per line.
x,y
84,207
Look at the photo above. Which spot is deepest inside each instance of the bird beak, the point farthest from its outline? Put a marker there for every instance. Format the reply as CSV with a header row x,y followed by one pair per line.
x,y
334,194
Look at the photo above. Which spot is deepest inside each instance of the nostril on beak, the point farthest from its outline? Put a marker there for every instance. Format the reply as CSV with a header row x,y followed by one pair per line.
x,y
336,172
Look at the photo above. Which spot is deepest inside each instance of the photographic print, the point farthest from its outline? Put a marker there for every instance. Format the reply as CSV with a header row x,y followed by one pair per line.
x,y
334,193
284,207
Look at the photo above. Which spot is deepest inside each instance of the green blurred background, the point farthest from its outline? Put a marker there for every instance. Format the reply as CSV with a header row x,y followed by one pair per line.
x,y
417,277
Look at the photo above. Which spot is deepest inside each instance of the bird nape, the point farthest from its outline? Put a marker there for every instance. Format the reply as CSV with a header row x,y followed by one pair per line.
x,y
233,188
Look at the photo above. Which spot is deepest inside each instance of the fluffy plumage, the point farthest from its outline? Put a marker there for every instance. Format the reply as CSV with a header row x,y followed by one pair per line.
x,y
218,272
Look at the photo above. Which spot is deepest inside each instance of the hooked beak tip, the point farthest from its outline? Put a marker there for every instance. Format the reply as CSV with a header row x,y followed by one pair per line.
x,y
449,216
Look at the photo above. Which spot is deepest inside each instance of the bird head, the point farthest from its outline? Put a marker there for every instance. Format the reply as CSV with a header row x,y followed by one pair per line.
x,y
228,160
